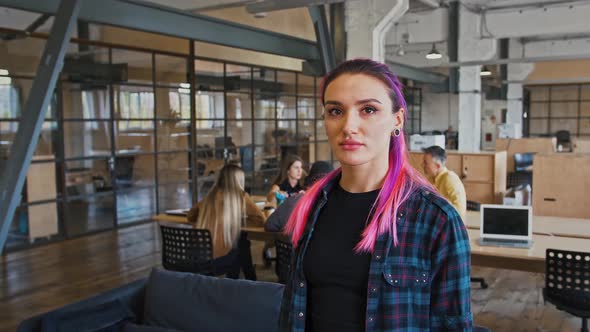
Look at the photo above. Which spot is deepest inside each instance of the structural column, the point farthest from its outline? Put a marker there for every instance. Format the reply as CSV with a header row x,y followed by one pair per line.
x,y
471,48
517,72
367,22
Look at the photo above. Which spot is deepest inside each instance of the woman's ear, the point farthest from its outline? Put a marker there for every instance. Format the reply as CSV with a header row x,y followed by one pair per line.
x,y
399,118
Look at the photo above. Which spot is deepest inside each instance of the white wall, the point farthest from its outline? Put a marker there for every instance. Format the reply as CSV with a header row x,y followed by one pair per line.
x,y
438,109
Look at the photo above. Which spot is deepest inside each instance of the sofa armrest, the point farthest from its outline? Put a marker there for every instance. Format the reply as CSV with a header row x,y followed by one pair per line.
x,y
131,295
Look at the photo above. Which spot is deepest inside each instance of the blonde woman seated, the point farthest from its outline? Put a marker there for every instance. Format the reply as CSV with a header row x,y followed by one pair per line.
x,y
224,211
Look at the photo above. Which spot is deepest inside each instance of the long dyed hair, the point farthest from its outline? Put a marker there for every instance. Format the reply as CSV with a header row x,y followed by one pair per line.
x,y
400,181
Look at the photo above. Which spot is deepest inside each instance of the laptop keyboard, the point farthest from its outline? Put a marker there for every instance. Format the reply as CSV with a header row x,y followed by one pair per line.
x,y
505,243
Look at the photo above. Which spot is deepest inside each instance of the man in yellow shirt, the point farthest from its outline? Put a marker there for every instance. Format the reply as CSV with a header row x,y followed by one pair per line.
x,y
447,182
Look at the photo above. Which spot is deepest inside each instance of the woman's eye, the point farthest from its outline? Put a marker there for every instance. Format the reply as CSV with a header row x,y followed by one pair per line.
x,y
369,110
334,112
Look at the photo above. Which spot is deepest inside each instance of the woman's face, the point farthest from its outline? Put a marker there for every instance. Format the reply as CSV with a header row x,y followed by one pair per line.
x,y
359,119
295,171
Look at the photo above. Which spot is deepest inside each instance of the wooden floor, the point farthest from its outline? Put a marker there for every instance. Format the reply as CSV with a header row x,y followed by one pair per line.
x,y
40,279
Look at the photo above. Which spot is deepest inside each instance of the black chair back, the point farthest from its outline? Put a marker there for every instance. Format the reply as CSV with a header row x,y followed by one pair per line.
x,y
283,264
567,282
186,249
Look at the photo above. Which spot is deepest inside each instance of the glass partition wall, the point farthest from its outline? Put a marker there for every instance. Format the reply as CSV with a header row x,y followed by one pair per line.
x,y
133,132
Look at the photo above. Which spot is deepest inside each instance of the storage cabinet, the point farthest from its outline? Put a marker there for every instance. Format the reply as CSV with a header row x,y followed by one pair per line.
x,y
483,173
561,185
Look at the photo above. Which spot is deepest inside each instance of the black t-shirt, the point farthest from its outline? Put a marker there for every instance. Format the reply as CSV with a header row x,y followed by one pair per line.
x,y
286,186
336,276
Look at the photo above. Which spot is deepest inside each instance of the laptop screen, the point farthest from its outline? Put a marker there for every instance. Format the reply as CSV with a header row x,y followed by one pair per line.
x,y
508,222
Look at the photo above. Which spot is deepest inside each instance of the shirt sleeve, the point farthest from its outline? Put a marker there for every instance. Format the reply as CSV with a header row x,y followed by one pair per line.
x,y
278,219
255,218
451,286
455,193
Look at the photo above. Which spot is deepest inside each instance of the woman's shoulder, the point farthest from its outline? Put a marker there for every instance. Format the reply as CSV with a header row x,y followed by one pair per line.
x,y
431,203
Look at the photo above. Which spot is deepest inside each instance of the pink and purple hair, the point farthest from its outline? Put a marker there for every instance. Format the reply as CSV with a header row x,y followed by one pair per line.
x,y
401,178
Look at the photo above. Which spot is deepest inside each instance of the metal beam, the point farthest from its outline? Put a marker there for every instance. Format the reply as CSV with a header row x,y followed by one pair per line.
x,y
27,135
338,30
273,5
322,33
150,17
431,3
453,45
416,74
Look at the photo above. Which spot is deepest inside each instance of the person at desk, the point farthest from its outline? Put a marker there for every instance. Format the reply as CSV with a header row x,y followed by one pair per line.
x,y
278,219
224,211
375,248
288,183
447,182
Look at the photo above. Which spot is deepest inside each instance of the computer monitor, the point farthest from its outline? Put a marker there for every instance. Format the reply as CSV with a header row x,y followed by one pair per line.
x,y
506,222
222,143
523,161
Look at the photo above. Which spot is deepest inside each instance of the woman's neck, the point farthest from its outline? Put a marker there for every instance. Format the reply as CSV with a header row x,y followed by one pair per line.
x,y
363,178
293,182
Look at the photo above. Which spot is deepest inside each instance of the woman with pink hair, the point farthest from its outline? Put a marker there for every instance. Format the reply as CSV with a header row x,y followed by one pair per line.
x,y
375,248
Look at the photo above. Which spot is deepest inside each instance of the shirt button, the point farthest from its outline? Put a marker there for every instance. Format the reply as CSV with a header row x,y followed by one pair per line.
x,y
300,315
378,257
395,281
370,319
301,285
373,290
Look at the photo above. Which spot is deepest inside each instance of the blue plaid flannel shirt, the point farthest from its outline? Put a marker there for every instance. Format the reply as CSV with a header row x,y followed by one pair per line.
x,y
423,284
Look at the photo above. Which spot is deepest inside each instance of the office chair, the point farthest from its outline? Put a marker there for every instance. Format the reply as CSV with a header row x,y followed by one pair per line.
x,y
475,206
564,139
567,282
187,249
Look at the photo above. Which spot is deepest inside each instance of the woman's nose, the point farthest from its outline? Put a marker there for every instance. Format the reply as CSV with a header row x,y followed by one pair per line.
x,y
351,123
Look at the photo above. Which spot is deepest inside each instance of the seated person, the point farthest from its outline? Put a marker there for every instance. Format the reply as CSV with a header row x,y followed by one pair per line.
x,y
224,211
447,182
288,183
277,221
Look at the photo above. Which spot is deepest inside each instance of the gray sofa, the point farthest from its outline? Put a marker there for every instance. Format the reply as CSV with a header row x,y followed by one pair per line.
x,y
170,301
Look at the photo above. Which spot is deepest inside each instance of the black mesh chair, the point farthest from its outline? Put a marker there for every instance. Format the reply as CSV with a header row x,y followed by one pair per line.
x,y
187,249
475,206
564,139
567,282
283,263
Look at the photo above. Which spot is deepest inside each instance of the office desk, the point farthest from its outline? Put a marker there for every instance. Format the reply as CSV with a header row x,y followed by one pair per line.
x,y
254,233
543,225
531,260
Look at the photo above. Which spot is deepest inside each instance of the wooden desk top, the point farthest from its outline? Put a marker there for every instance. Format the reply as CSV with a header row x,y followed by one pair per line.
x,y
531,259
254,233
543,225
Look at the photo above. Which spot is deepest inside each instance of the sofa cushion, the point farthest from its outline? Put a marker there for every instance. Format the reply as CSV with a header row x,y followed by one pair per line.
x,y
130,327
189,302
109,316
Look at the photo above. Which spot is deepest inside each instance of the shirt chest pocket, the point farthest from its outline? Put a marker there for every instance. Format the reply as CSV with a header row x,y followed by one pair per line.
x,y
406,276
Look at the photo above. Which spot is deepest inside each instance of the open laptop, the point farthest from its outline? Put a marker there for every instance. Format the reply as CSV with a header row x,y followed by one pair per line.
x,y
506,225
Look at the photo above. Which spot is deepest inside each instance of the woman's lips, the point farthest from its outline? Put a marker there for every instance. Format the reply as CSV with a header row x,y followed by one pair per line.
x,y
351,145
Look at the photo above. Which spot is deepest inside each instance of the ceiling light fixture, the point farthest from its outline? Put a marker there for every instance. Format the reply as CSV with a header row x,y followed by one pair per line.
x,y
433,54
485,71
